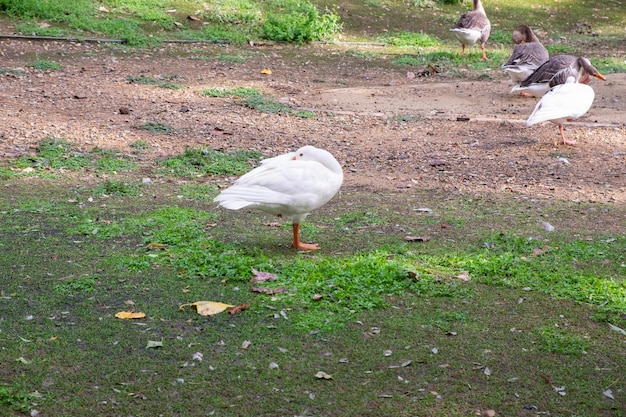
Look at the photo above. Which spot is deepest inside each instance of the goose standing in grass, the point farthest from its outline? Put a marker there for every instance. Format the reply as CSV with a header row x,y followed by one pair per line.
x,y
562,103
556,71
472,27
528,54
290,185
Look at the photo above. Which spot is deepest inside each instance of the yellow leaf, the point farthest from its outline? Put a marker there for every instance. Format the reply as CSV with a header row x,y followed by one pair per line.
x,y
207,308
266,71
130,315
323,375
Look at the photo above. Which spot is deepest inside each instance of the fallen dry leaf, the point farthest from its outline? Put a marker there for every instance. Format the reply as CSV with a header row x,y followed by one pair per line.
x,y
156,246
130,315
266,71
259,276
464,275
207,308
153,344
238,309
323,375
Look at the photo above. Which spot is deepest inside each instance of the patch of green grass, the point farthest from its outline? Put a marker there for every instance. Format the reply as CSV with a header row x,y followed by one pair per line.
x,y
409,39
117,188
158,128
560,49
54,153
300,22
206,161
405,118
59,154
43,65
238,92
164,81
15,399
11,71
6,173
232,59
553,268
610,65
555,340
75,286
305,114
357,220
139,146
265,104
200,192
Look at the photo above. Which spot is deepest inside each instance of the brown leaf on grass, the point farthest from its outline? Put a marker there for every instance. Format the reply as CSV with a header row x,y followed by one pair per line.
x,y
323,375
416,238
238,309
317,297
268,291
131,314
156,246
259,276
464,275
207,308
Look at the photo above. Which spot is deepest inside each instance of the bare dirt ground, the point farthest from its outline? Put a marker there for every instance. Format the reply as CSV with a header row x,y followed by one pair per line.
x,y
463,133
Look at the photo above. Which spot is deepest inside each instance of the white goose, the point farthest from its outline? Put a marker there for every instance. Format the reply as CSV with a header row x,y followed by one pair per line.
x,y
472,27
290,185
562,103
527,55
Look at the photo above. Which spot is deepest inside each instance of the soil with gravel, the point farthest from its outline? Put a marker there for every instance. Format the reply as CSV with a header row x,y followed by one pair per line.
x,y
391,127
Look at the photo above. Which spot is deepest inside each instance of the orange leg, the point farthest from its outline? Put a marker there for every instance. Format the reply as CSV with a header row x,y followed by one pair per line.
x,y
462,49
296,240
484,57
565,141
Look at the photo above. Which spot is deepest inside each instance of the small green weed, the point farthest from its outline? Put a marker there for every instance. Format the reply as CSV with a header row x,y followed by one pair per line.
x,y
357,220
158,128
409,39
139,146
200,192
238,92
554,340
302,23
164,81
207,161
265,105
43,65
11,71
56,154
15,399
117,188
405,118
306,114
75,286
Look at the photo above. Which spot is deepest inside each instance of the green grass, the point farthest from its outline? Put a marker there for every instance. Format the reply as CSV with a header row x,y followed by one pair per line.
x,y
163,81
265,104
55,154
391,323
147,23
43,65
206,161
238,92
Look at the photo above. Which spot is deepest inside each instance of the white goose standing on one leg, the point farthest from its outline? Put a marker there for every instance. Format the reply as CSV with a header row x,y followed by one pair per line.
x,y
290,185
562,103
472,27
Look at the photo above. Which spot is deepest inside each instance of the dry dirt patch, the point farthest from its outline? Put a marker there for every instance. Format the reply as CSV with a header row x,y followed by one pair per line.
x,y
463,134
